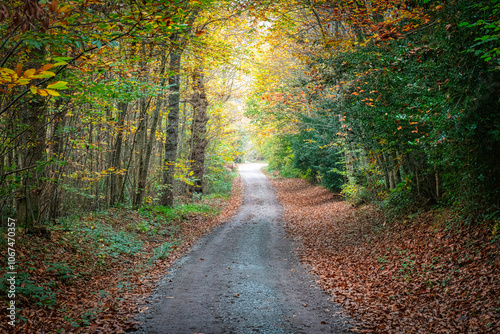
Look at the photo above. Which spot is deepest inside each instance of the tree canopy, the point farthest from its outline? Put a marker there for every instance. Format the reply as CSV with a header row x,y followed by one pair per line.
x,y
106,103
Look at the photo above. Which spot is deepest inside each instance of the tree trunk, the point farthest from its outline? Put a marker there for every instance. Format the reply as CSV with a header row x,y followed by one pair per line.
x,y
116,157
56,153
141,145
199,131
143,172
395,177
383,165
436,177
397,169
167,198
141,138
32,141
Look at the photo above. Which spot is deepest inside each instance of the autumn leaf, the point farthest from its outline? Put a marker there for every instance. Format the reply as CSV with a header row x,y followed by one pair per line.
x,y
52,92
19,70
30,74
42,92
54,5
58,85
45,67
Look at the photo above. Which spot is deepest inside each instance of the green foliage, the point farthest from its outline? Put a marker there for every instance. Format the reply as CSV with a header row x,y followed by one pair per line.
x,y
40,295
279,154
219,181
407,122
356,194
161,252
487,24
400,202
317,155
62,270
108,241
178,212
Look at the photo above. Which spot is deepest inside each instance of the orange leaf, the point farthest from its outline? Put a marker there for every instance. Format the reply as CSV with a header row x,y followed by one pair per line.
x,y
29,73
46,67
42,92
53,5
19,70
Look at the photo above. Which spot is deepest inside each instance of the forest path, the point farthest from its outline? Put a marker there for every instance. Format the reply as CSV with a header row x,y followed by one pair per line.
x,y
243,278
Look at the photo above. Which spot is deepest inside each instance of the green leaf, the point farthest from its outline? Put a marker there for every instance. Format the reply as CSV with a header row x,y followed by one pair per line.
x,y
58,85
61,59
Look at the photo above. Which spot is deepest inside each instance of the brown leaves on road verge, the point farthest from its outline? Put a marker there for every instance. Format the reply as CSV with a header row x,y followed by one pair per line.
x,y
101,301
414,276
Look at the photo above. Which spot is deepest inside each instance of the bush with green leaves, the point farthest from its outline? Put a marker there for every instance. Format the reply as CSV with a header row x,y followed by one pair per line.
x,y
418,110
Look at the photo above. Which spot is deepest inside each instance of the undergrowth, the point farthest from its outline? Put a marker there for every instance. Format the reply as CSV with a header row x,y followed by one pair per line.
x,y
81,247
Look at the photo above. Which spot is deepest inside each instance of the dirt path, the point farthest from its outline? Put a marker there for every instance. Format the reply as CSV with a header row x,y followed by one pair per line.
x,y
243,278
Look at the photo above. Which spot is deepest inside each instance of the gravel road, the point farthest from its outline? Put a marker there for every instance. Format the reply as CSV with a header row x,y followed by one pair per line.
x,y
243,278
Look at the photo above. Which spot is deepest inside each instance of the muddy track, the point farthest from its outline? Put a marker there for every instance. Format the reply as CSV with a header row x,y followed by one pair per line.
x,y
243,278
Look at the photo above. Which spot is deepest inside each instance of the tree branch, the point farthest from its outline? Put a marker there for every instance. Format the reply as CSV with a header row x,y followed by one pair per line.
x,y
64,66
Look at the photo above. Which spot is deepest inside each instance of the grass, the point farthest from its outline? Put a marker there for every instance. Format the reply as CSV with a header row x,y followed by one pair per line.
x,y
178,212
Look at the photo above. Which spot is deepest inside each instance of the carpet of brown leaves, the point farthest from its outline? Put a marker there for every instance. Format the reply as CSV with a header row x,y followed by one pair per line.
x,y
413,276
101,294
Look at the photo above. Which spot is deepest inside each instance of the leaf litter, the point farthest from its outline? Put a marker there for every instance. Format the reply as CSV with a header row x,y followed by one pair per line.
x,y
419,275
68,286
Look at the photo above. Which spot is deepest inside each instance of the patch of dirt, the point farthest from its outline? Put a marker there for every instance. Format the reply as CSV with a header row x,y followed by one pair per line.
x,y
413,276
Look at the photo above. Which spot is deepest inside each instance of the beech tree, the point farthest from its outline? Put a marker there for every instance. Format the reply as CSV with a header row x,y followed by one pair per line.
x,y
381,105
90,97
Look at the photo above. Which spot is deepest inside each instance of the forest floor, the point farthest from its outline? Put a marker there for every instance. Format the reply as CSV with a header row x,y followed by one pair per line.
x,y
421,274
90,274
427,274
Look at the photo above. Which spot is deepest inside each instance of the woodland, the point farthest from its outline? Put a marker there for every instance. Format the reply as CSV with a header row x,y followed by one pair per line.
x,y
121,123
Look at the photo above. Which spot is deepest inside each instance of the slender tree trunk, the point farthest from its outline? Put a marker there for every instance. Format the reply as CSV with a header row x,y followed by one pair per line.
x,y
171,143
200,119
56,152
397,169
392,171
147,144
152,135
383,165
116,156
141,145
141,138
436,177
167,198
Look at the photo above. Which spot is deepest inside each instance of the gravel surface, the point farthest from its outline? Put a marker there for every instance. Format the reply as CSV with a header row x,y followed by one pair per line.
x,y
243,278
